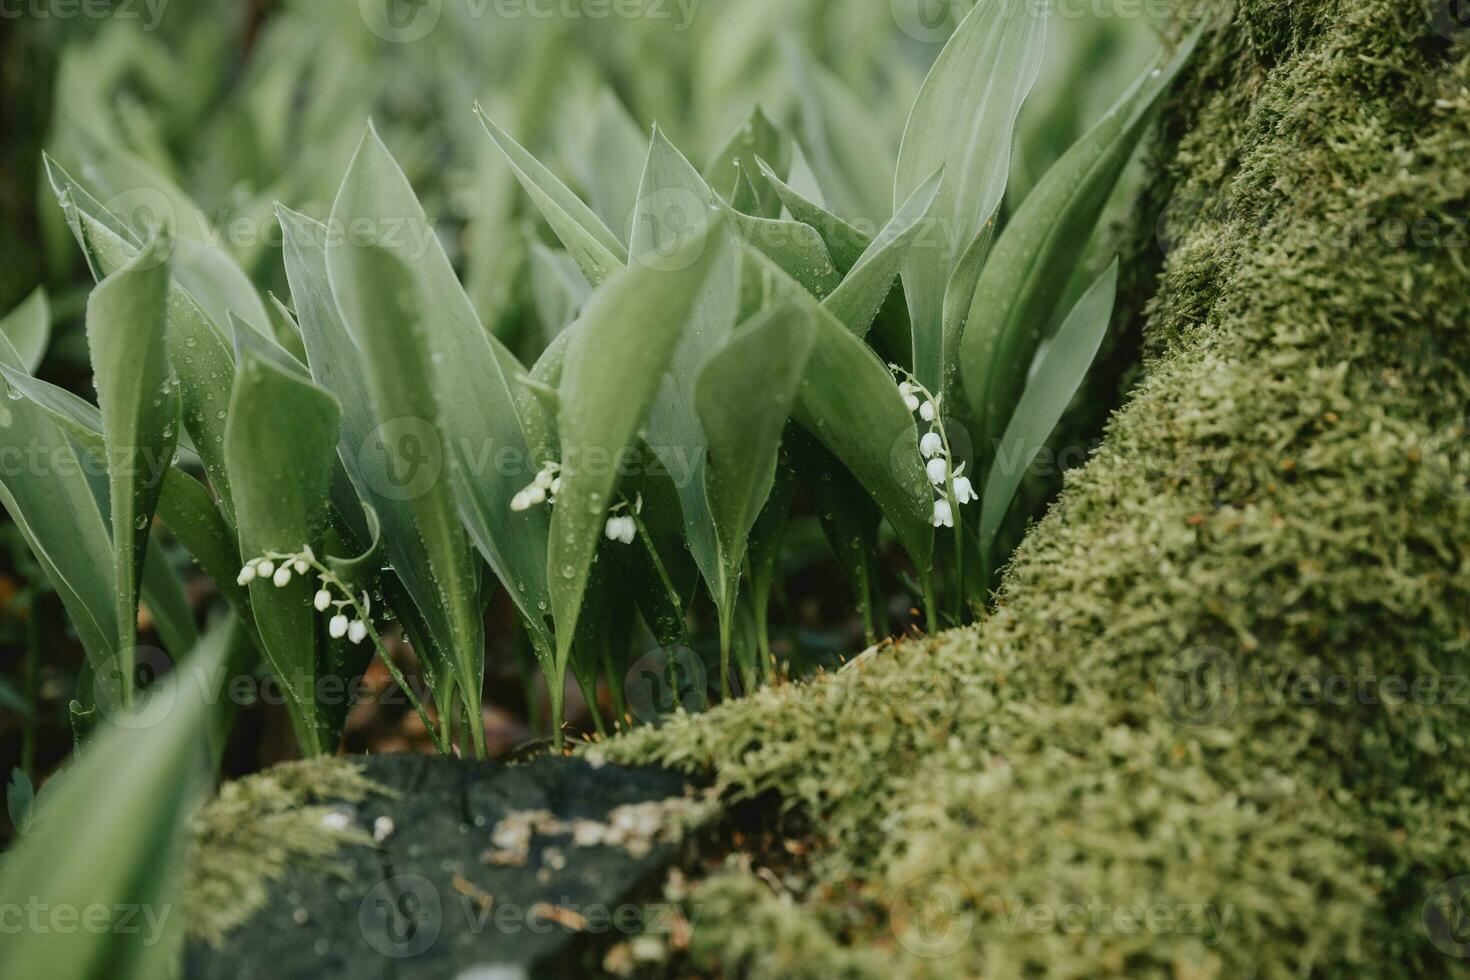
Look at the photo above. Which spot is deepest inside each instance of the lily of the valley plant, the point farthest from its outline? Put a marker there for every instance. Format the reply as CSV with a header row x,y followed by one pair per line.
x,y
364,450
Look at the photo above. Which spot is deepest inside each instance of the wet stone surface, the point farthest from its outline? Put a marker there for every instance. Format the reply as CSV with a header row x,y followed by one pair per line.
x,y
482,872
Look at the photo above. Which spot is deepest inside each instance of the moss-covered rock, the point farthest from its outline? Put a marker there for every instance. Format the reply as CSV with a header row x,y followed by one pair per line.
x,y
1217,723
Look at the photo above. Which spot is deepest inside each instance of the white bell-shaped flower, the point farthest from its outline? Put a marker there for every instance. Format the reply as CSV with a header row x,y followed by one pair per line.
x,y
931,445
322,600
943,514
938,470
357,631
927,411
265,568
964,492
282,578
337,627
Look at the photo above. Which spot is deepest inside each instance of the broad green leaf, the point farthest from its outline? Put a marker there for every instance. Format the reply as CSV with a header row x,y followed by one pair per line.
x,y
1027,273
1059,373
144,199
853,158
19,795
391,323
619,147
614,364
280,445
139,405
847,246
866,286
597,250
557,288
336,364
143,777
744,395
197,348
755,139
963,120
850,402
482,440
44,489
28,328
184,504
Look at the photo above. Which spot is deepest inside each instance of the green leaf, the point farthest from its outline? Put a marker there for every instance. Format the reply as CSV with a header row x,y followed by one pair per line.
x,y
597,250
145,775
48,497
1035,256
197,348
28,328
280,446
483,442
615,362
744,396
865,288
336,364
852,158
184,504
963,120
755,139
850,403
389,315
1058,375
619,147
139,406
19,795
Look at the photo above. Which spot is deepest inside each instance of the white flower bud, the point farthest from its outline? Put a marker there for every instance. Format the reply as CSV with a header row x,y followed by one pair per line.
x,y
555,485
535,494
931,444
265,567
938,470
322,600
301,566
912,401
282,578
906,388
630,531
614,528
337,628
246,576
943,514
519,502
927,412
963,491
543,479
357,632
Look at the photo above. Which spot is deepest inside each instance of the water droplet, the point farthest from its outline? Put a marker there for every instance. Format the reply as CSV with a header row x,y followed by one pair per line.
x,y
567,571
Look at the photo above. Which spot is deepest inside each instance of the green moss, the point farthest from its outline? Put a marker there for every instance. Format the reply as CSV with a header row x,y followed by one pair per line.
x,y
256,828
1276,498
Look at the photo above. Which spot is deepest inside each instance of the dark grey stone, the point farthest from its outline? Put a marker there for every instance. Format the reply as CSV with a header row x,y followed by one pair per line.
x,y
401,912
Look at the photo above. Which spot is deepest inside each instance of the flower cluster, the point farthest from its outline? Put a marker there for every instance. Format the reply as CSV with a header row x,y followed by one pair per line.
x,y
542,490
280,568
949,481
